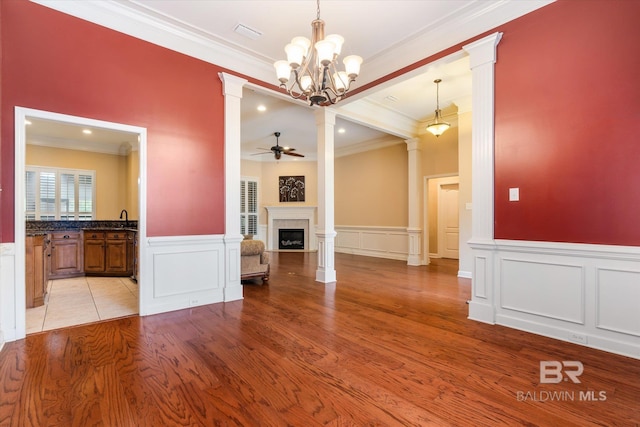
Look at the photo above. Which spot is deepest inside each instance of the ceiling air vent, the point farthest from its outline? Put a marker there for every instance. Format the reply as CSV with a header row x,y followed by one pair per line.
x,y
246,31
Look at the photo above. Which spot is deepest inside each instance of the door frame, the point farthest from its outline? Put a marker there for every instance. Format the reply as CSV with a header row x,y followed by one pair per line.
x,y
425,211
21,113
446,181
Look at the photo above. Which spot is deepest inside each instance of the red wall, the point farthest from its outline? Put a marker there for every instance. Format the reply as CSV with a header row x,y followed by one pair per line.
x,y
55,62
568,124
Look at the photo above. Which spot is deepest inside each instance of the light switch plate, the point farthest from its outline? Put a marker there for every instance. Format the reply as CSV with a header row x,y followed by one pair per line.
x,y
514,194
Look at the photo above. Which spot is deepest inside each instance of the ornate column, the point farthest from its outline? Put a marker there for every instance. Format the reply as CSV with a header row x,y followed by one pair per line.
x,y
325,122
413,228
482,56
232,90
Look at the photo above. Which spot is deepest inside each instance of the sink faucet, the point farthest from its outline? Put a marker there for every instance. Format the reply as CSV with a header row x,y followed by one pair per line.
x,y
126,217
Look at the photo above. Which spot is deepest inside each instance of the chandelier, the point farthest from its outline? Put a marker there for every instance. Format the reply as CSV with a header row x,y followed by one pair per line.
x,y
312,67
438,126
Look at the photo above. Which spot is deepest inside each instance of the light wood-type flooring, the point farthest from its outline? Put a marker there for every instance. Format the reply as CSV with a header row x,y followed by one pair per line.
x,y
388,345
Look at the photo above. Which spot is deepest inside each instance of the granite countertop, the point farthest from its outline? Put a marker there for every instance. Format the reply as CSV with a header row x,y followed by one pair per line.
x,y
36,228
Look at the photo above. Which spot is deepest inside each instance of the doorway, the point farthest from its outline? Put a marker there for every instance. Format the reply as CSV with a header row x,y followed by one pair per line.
x,y
22,117
441,211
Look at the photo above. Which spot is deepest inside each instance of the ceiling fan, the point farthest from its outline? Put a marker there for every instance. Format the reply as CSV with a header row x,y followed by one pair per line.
x,y
278,150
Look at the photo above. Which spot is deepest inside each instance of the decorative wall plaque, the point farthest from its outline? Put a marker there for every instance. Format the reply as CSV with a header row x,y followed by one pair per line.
x,y
291,188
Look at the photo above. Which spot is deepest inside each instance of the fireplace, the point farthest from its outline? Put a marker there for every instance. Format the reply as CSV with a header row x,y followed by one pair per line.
x,y
291,217
291,238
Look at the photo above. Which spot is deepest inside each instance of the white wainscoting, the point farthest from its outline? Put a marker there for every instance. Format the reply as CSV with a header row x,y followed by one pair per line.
x,y
7,293
182,272
585,294
381,242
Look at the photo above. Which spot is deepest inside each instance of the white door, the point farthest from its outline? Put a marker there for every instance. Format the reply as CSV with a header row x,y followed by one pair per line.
x,y
448,224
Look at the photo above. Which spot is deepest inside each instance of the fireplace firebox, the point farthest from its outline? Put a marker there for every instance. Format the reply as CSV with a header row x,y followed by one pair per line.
x,y
291,238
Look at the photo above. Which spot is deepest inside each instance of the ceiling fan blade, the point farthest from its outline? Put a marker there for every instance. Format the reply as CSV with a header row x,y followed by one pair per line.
x,y
257,154
293,154
284,150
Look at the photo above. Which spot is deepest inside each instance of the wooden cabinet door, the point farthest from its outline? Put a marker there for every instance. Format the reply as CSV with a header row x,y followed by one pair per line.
x,y
35,276
116,252
94,255
116,256
66,255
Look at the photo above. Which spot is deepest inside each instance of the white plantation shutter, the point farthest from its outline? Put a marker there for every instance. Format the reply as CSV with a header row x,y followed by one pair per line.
x,y
249,206
67,195
30,195
85,196
59,194
47,183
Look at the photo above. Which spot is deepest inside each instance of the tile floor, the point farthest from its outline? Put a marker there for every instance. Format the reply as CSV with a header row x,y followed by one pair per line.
x,y
83,300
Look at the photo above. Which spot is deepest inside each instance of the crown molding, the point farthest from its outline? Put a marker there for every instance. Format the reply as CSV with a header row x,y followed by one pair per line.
x,y
122,149
137,21
375,144
378,117
133,20
460,25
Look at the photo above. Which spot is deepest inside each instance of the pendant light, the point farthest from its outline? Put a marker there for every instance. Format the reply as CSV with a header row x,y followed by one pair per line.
x,y
438,127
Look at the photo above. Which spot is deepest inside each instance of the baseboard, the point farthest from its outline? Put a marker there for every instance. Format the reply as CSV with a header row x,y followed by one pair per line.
x,y
481,312
575,336
464,274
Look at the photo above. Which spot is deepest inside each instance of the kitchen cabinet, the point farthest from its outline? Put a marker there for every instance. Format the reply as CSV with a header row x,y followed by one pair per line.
x,y
94,243
66,258
36,278
108,253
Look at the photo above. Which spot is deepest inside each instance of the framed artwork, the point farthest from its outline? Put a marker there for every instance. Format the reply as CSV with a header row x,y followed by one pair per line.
x,y
291,188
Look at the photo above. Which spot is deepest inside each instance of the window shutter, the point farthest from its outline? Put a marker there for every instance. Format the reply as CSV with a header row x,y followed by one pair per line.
x,y
53,194
47,195
249,206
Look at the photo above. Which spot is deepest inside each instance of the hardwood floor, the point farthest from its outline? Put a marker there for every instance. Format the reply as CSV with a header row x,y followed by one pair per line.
x,y
389,345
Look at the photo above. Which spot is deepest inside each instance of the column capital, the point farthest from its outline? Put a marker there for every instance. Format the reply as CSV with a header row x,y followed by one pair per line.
x,y
232,85
483,51
413,144
325,116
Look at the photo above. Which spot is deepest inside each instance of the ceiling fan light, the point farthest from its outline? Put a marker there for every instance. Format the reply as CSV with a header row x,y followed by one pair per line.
x,y
352,65
337,41
283,70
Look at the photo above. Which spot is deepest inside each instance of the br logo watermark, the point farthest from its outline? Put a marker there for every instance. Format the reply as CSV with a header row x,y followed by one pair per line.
x,y
555,372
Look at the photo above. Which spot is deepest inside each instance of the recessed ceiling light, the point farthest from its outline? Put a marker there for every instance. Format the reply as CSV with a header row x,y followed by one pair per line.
x,y
262,108
86,131
341,130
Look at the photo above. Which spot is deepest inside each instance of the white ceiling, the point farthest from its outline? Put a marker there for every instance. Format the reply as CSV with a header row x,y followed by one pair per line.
x,y
389,35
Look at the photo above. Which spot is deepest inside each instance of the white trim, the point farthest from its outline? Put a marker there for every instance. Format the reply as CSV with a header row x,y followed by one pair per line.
x,y
232,87
141,22
482,58
425,214
581,293
17,286
305,213
373,241
440,214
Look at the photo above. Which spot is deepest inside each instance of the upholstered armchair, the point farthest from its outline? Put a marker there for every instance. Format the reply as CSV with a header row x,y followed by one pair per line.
x,y
254,261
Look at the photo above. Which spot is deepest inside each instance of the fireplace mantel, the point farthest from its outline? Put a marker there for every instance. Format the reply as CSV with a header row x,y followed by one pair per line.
x,y
277,214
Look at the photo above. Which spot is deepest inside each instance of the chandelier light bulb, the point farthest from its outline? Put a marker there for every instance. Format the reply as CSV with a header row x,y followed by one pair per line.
x,y
295,55
337,41
283,71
